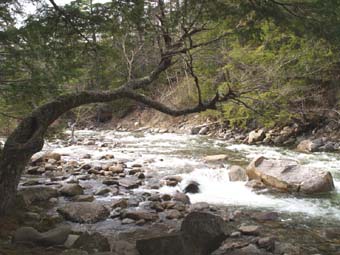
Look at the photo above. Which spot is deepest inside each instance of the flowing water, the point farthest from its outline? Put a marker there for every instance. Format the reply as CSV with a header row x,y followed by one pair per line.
x,y
176,154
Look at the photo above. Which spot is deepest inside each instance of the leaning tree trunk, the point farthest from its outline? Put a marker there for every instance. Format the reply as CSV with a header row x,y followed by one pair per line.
x,y
28,138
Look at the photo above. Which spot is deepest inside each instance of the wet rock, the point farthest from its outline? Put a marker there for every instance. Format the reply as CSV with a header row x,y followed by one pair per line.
x,y
192,187
195,130
256,136
255,184
83,198
110,182
92,242
123,248
173,214
287,175
157,206
128,221
74,252
103,191
35,170
134,171
249,230
84,212
121,203
237,174
215,158
130,183
265,216
52,237
70,190
267,243
251,249
166,197
309,145
199,206
117,169
31,183
179,196
32,216
71,239
140,215
37,194
44,157
203,131
173,180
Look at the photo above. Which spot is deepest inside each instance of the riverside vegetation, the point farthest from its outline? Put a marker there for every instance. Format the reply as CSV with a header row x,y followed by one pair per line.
x,y
254,72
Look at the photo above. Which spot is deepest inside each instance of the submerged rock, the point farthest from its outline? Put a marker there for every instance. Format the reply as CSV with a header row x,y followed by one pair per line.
x,y
287,175
84,212
237,174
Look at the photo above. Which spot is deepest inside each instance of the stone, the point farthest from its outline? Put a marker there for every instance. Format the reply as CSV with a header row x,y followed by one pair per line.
x,y
70,190
195,130
249,230
123,248
237,174
44,157
130,183
215,158
166,197
84,212
256,136
110,182
31,183
74,252
203,131
267,243
37,194
265,216
128,221
286,175
199,206
56,236
192,187
179,196
117,169
92,242
255,184
121,203
309,145
71,239
103,191
83,198
205,230
140,214
173,214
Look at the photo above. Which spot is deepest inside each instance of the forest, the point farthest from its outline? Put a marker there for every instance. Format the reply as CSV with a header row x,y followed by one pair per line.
x,y
175,127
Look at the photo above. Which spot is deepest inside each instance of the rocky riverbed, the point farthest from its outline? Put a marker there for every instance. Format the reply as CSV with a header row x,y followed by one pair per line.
x,y
137,193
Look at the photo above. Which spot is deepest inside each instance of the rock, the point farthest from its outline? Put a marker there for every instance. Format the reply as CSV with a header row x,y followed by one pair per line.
x,y
32,216
128,221
288,176
31,183
203,131
56,236
94,242
26,235
84,212
166,197
199,206
70,190
329,147
205,230
265,216
74,252
130,183
201,233
179,196
83,198
52,237
192,187
255,184
267,243
103,113
35,170
249,230
117,169
110,182
173,214
309,145
44,157
140,215
215,158
37,194
71,239
123,248
121,203
237,174
103,191
195,130
256,136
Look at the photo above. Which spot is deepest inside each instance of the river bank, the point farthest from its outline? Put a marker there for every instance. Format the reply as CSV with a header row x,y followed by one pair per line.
x,y
137,177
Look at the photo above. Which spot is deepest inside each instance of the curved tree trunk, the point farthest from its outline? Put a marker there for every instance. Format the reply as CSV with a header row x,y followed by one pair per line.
x,y
28,137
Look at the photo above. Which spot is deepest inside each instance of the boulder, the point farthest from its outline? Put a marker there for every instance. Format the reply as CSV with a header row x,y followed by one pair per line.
x,y
286,175
84,212
70,190
203,131
130,183
181,197
37,194
140,215
93,242
192,187
237,174
310,145
52,237
215,158
256,136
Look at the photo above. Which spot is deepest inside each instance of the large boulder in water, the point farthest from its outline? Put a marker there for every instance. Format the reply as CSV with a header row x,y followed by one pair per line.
x,y
84,212
288,175
201,233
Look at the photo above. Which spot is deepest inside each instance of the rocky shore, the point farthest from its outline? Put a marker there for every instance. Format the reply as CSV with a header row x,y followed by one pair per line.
x,y
101,206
